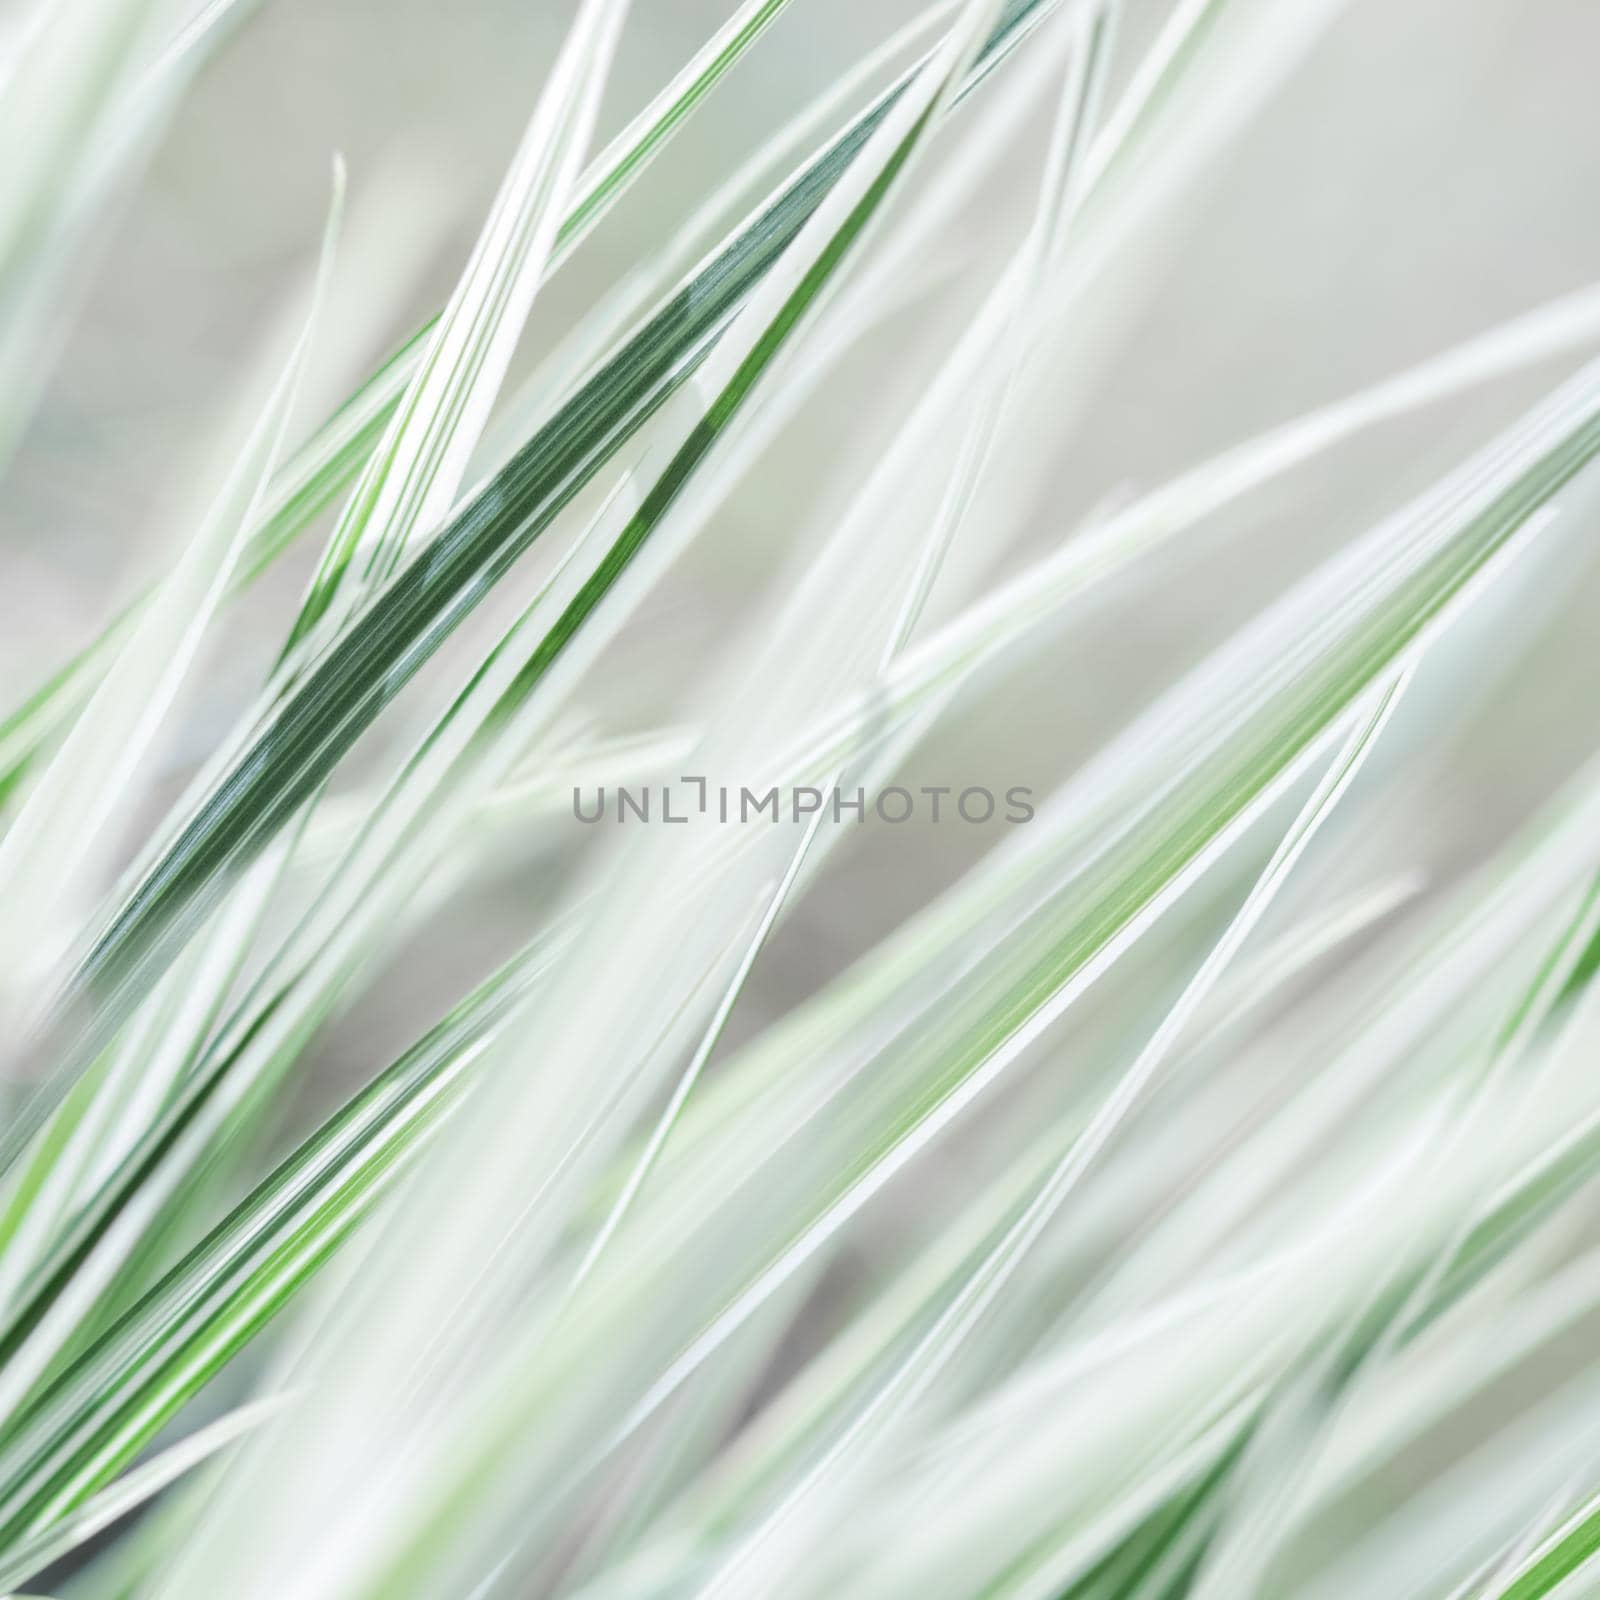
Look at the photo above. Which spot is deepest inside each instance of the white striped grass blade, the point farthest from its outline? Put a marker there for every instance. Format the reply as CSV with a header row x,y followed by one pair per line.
x,y
1270,1484
1039,596
134,1489
1465,1518
626,157
123,1097
911,1377
1493,1356
1000,620
334,453
1062,190
727,999
157,1064
1410,1403
787,1429
50,851
760,173
413,477
732,368
1267,1317
835,1214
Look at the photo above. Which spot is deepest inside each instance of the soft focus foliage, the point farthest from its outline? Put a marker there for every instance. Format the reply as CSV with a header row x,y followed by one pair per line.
x,y
1173,1181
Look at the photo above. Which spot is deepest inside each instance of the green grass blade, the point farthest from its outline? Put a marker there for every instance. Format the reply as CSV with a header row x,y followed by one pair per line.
x,y
315,474
151,1478
413,477
393,635
102,1410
